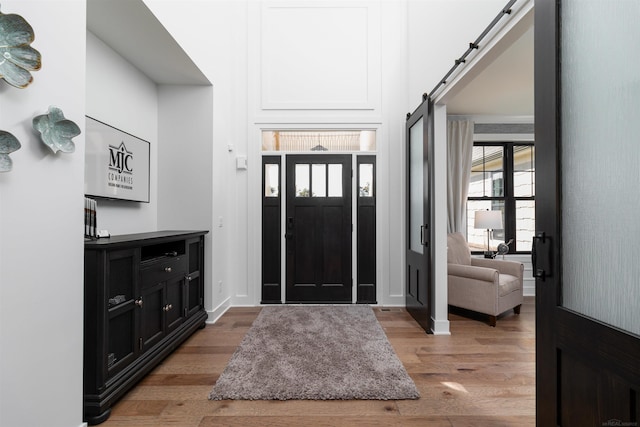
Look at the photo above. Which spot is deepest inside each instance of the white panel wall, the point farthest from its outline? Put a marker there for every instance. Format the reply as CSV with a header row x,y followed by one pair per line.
x,y
317,56
120,95
41,231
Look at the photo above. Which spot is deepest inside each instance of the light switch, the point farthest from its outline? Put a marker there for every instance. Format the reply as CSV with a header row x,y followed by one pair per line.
x,y
241,162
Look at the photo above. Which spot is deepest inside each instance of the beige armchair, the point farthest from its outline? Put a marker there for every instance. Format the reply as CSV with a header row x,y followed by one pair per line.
x,y
487,286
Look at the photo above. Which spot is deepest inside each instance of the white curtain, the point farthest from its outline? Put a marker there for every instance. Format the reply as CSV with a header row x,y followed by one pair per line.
x,y
459,154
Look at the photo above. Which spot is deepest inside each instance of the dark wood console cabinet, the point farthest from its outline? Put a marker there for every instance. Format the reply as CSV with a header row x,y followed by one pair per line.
x,y
143,296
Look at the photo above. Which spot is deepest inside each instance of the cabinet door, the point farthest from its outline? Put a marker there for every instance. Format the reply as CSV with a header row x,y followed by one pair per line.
x,y
193,283
152,318
120,337
173,307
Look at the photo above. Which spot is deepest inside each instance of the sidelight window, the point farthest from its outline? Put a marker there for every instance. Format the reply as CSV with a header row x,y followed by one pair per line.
x,y
365,180
271,180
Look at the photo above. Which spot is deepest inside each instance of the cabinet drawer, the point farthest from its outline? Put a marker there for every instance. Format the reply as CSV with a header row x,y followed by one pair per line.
x,y
159,271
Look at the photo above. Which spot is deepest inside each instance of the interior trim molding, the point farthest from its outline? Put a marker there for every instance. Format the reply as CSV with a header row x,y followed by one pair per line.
x,y
440,327
362,33
217,312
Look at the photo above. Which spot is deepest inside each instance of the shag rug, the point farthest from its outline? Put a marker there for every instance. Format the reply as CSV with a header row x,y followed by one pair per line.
x,y
315,353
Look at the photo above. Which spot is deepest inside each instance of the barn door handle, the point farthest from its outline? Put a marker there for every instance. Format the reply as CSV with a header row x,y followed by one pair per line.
x,y
423,240
538,273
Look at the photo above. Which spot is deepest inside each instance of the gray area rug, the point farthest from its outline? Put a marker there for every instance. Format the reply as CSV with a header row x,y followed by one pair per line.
x,y
315,353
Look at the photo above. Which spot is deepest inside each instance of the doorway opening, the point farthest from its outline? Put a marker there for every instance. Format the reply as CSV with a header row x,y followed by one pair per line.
x,y
318,217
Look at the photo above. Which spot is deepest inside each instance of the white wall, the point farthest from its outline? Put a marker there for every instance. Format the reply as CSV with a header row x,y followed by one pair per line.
x,y
334,64
236,52
439,33
123,97
219,49
41,231
41,248
240,48
185,165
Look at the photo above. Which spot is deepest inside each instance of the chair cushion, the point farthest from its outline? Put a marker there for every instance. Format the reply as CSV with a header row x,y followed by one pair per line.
x,y
507,284
457,249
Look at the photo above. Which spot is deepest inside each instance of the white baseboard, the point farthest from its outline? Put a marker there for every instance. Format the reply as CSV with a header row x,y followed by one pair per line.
x,y
217,312
529,287
440,327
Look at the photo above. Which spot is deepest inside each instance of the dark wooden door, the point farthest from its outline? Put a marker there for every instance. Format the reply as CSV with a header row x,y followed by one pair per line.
x,y
585,255
318,228
418,231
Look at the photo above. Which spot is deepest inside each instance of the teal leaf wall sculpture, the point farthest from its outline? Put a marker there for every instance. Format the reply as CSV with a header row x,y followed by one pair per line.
x,y
17,57
56,131
8,144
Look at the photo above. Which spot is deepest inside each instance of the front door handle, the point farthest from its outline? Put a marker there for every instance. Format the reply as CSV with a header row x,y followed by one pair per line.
x,y
289,233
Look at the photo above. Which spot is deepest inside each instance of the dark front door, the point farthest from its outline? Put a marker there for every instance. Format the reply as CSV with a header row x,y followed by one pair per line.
x,y
418,275
318,228
585,252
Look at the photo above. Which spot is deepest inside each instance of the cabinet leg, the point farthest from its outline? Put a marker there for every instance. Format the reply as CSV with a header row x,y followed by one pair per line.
x,y
100,418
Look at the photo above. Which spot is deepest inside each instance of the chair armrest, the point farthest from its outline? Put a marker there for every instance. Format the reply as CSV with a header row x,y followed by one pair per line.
x,y
513,268
473,272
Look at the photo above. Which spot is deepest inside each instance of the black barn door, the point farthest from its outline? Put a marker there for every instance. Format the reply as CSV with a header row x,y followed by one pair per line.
x,y
418,272
318,229
585,252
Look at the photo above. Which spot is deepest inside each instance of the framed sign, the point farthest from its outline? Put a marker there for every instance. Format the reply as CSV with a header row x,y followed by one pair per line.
x,y
116,163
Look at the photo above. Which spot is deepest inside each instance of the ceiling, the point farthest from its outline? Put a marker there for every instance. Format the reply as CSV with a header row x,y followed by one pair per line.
x,y
505,87
131,29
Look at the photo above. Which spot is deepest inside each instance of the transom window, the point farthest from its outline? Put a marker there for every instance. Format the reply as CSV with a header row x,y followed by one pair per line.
x,y
318,140
503,179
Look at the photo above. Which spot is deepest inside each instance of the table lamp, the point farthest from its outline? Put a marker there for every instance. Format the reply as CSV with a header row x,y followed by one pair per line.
x,y
488,220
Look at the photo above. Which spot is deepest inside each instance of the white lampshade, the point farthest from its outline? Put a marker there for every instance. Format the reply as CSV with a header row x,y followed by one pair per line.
x,y
488,220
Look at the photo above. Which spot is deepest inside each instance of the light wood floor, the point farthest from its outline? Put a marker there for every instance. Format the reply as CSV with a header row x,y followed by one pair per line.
x,y
478,376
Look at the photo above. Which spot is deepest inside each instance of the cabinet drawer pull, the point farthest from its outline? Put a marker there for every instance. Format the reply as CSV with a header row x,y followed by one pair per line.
x,y
167,307
167,269
139,302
